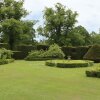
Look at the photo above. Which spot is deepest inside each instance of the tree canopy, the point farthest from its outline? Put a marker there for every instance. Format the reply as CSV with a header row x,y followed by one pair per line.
x,y
58,22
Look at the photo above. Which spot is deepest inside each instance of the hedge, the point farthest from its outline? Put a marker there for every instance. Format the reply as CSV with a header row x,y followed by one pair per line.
x,y
54,52
93,74
93,53
69,64
4,45
75,52
19,55
42,47
25,48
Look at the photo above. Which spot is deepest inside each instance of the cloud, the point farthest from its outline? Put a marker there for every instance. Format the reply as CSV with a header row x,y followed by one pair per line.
x,y
88,10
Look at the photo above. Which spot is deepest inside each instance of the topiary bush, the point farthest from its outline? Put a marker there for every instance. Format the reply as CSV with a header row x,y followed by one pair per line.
x,y
93,72
54,52
76,53
93,53
69,63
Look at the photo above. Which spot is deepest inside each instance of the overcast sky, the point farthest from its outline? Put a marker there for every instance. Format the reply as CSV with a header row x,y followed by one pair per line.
x,y
88,10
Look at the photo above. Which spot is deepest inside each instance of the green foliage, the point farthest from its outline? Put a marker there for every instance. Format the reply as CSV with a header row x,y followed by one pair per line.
x,y
12,29
79,36
69,63
4,45
93,72
5,54
35,54
17,32
75,52
93,53
95,38
12,9
58,23
6,61
19,55
53,52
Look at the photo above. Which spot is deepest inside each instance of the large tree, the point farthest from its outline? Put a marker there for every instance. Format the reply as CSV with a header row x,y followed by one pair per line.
x,y
12,9
79,36
95,38
12,29
17,32
58,22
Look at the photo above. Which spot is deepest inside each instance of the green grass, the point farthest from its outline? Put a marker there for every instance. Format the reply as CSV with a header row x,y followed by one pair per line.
x,y
32,80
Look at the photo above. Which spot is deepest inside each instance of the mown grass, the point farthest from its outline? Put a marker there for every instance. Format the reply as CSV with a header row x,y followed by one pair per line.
x,y
32,80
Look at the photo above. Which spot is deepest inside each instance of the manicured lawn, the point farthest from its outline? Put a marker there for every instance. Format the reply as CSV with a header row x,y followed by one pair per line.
x,y
29,80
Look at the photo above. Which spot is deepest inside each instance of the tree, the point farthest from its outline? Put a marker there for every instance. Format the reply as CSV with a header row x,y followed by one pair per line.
x,y
28,35
17,32
95,38
12,9
79,36
58,22
12,29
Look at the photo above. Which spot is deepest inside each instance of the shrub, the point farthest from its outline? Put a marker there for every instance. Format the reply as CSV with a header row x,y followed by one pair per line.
x,y
35,55
54,52
5,54
6,61
69,64
93,53
93,72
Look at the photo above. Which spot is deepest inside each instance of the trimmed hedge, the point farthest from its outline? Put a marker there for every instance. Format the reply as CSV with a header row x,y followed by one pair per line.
x,y
75,52
19,55
42,47
25,48
93,74
69,64
93,53
4,45
6,61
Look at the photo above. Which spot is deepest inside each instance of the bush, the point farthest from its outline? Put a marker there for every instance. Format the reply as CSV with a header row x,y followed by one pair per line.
x,y
6,61
69,63
93,53
35,55
5,54
93,73
54,52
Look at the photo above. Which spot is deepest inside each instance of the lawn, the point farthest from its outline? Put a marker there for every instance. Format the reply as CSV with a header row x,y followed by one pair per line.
x,y
32,80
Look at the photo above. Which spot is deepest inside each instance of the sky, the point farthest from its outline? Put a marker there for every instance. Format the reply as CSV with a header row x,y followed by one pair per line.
x,y
88,10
